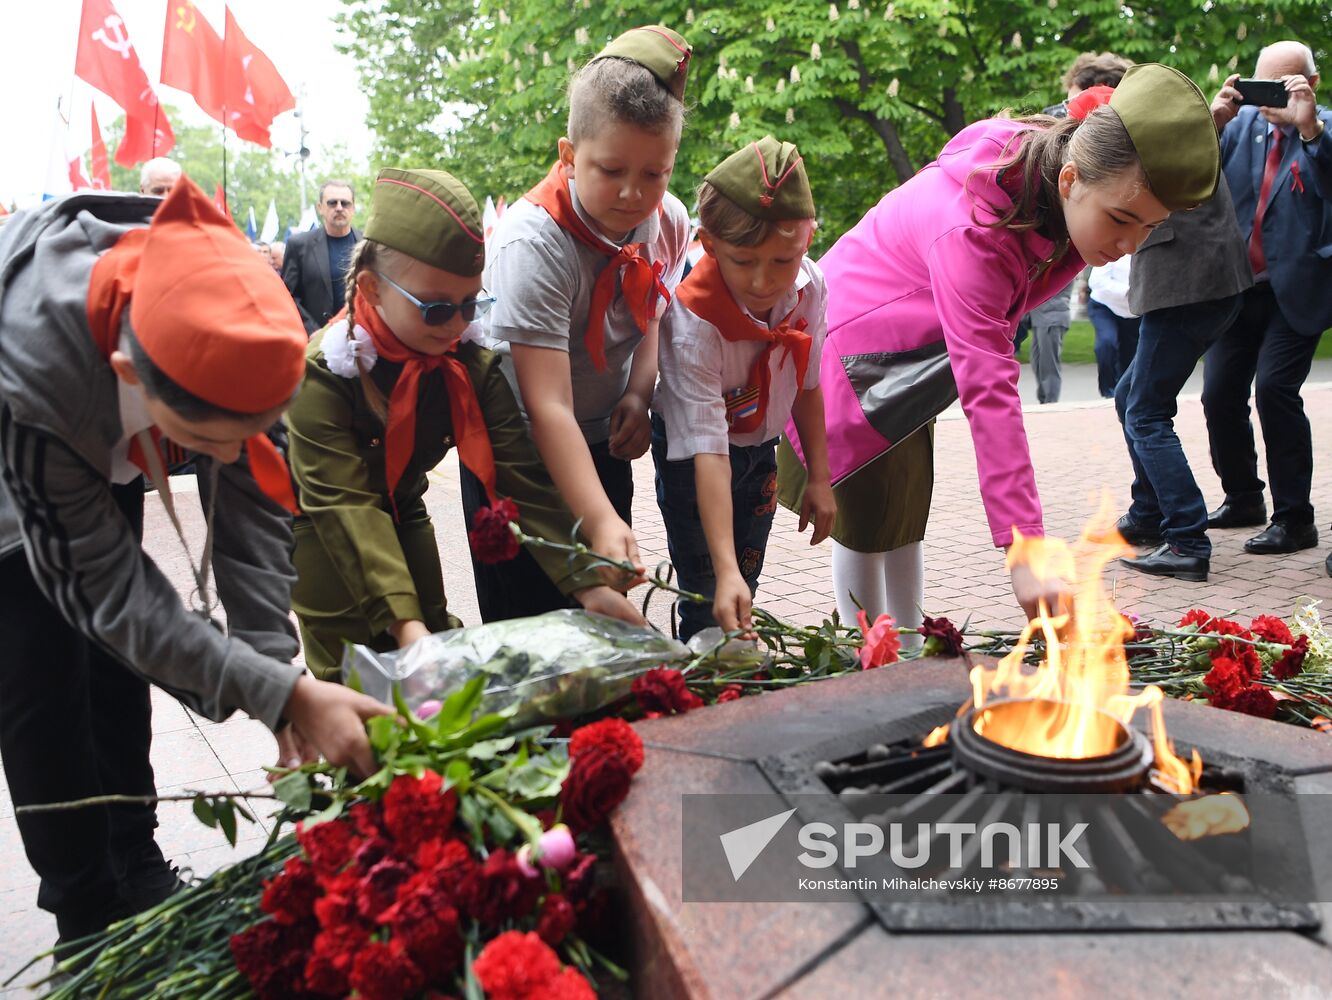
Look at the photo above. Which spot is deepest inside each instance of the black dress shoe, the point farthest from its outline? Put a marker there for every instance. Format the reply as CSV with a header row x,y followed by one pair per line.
x,y
1281,538
1136,533
1165,561
1238,515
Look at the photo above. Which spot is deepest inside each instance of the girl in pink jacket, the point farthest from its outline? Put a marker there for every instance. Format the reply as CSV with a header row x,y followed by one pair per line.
x,y
924,296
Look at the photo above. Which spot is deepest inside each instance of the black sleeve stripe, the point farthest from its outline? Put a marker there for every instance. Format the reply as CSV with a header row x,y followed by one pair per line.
x,y
50,557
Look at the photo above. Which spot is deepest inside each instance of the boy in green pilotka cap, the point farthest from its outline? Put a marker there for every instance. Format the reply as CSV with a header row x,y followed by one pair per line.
x,y
392,384
739,357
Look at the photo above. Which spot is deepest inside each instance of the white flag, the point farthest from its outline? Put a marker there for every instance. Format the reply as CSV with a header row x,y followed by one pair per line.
x,y
308,220
57,181
270,229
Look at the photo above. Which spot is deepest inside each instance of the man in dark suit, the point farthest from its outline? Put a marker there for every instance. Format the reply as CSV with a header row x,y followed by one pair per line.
x,y
1279,165
1186,283
315,265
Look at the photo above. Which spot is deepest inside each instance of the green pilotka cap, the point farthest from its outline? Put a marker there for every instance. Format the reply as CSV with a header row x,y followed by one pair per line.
x,y
1170,123
429,215
662,52
767,179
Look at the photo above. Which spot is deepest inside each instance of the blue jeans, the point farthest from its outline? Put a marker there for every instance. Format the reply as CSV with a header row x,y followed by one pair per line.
x,y
1115,344
1170,342
753,503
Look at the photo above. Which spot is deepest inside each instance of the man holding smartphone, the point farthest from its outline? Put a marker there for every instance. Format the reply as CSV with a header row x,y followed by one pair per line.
x,y
1278,163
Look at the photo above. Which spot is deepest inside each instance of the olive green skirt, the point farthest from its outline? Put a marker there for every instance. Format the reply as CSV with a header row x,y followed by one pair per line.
x,y
883,506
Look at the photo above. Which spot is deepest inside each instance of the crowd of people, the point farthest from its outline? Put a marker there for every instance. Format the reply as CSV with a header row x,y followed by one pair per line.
x,y
313,405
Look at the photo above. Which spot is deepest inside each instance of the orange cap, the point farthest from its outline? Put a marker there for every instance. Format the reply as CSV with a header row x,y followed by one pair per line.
x,y
212,314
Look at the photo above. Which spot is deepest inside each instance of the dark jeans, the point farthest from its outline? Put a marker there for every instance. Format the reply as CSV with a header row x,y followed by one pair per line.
x,y
753,503
1116,343
520,588
1261,345
74,723
1165,494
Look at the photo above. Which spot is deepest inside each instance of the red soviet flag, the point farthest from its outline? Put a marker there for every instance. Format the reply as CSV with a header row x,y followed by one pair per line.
x,y
192,57
101,169
220,200
255,92
106,59
76,179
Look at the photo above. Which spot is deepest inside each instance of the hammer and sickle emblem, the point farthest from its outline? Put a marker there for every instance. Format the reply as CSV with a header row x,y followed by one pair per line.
x,y
186,16
113,36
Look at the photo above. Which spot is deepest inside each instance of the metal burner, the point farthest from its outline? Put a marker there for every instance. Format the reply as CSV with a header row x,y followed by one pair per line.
x,y
1124,769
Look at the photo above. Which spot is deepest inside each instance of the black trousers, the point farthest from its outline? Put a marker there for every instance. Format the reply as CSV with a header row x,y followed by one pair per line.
x,y
1261,349
74,723
520,588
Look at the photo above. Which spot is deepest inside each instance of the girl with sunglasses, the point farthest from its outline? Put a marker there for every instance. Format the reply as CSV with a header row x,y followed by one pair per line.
x,y
391,384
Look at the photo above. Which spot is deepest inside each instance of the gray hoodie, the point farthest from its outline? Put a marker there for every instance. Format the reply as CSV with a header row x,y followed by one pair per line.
x,y
59,421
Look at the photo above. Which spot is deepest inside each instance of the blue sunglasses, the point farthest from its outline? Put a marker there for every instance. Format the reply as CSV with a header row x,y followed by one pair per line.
x,y
439,313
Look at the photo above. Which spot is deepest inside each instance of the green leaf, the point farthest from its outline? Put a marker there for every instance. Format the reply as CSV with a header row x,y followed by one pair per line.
x,y
203,810
422,731
354,681
460,706
226,818
458,774
385,734
294,790
330,812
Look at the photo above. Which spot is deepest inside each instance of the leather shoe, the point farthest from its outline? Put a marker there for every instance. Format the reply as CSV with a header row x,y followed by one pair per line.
x,y
1281,538
1238,515
1328,565
1165,561
1136,533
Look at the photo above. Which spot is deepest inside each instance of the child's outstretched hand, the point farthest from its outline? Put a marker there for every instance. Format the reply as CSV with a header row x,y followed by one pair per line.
x,y
732,605
605,601
820,507
630,428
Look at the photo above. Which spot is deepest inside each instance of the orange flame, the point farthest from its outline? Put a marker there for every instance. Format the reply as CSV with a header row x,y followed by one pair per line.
x,y
1085,673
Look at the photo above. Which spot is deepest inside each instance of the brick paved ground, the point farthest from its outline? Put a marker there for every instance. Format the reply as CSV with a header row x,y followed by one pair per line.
x,y
1079,456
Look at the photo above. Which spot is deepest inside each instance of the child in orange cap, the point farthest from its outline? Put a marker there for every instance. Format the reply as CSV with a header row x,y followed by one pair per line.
x,y
114,334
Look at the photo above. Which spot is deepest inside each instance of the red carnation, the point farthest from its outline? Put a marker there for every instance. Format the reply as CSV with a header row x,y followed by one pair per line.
x,y
1225,678
556,919
515,966
941,637
290,897
491,539
615,736
385,972
663,690
1242,653
378,890
329,846
1254,700
271,956
596,784
371,852
498,890
427,926
1224,626
446,862
569,985
1195,616
1270,628
731,692
1292,661
880,641
335,951
416,811
365,817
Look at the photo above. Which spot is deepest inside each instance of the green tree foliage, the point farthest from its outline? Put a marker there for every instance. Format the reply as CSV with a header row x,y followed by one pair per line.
x,y
254,174
869,90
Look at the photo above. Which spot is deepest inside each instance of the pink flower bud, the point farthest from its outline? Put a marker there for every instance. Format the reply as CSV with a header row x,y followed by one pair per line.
x,y
558,848
429,707
524,861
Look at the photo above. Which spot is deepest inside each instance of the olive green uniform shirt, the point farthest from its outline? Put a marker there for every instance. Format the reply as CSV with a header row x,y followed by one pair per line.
x,y
337,460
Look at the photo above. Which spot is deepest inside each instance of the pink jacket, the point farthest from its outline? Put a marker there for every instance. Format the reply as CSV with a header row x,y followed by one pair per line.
x,y
920,268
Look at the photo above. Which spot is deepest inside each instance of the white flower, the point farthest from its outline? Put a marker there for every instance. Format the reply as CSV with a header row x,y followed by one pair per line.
x,y
790,115
580,36
893,87
518,84
853,5
733,73
815,52
1016,41
689,16
347,356
749,85
781,84
1213,74
540,118
503,17
943,29
795,74
545,59
889,11
530,49
1242,32
570,65
832,12
735,119
771,25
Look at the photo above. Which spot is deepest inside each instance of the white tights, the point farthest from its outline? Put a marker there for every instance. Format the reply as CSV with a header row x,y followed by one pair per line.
x,y
890,582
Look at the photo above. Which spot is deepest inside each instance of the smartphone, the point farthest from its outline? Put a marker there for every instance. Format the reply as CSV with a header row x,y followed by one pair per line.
x,y
1264,93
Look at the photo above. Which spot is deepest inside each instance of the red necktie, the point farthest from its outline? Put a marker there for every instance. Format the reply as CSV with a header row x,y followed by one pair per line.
x,y
1256,258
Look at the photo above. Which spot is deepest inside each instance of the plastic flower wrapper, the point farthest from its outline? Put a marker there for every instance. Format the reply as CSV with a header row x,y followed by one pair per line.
x,y
559,665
